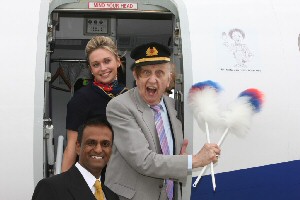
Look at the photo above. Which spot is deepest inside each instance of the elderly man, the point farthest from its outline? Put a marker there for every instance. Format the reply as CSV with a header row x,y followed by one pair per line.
x,y
148,159
82,181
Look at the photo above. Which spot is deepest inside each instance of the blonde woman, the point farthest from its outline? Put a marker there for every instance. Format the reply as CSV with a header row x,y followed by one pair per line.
x,y
90,101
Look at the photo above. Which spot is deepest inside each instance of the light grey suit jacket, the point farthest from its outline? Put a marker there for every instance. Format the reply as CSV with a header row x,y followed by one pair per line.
x,y
137,168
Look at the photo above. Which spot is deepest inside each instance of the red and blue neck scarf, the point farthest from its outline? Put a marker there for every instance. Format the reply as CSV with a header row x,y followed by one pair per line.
x,y
111,89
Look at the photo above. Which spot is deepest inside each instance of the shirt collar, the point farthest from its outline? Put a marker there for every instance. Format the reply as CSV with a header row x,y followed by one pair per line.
x,y
162,104
88,177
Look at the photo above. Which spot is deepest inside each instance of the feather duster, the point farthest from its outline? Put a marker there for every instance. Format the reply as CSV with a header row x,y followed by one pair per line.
x,y
203,100
238,117
239,114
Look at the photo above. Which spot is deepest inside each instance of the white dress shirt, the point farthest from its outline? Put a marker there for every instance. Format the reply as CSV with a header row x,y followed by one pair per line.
x,y
88,177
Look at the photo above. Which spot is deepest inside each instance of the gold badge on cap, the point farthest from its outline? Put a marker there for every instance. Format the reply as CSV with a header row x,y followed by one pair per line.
x,y
151,51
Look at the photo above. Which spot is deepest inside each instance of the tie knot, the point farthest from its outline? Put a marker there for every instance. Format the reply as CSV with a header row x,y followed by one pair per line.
x,y
97,185
156,108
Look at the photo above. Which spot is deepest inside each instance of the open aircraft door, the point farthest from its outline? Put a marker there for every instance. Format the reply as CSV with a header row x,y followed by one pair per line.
x,y
72,23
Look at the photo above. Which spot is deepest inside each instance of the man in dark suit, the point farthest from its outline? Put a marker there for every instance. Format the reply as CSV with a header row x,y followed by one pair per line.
x,y
148,160
94,147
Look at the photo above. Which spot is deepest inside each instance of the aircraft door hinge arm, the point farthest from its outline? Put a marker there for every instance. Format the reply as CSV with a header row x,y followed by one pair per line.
x,y
177,34
47,77
179,78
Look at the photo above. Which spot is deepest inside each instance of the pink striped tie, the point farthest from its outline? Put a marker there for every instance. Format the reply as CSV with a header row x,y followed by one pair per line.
x,y
163,143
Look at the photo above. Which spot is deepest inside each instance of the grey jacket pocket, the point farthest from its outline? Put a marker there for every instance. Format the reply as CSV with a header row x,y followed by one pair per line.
x,y
123,190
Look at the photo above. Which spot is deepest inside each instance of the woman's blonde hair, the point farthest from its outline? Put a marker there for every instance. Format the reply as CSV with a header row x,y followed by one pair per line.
x,y
101,42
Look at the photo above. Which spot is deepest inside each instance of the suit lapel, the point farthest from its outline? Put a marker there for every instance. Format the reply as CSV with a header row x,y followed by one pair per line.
x,y
148,118
78,187
140,103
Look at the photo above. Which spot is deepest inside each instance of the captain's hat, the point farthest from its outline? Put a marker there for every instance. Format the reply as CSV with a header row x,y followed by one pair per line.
x,y
150,54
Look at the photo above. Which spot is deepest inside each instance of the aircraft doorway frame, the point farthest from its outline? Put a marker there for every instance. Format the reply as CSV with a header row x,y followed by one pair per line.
x,y
144,7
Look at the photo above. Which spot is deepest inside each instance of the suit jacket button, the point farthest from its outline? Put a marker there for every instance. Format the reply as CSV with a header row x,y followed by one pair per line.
x,y
161,186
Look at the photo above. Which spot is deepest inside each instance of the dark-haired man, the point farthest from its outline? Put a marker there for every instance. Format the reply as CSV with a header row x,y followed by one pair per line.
x,y
82,181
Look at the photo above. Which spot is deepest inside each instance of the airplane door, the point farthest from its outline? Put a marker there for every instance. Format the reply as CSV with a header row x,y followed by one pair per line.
x,y
72,23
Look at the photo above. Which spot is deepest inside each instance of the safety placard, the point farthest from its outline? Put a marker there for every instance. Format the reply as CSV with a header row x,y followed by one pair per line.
x,y
113,5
